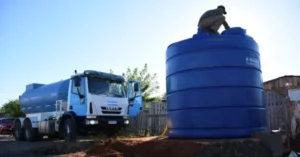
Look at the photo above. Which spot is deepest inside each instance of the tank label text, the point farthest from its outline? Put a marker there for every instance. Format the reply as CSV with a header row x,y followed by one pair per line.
x,y
252,61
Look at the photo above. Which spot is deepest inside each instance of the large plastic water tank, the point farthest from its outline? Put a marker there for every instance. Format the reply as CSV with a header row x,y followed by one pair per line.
x,y
42,98
214,86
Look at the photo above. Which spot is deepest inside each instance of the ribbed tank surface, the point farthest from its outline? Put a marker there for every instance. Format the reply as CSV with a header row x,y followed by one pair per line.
x,y
214,86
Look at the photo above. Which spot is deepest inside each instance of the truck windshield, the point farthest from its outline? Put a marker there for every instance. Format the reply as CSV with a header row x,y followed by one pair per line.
x,y
105,87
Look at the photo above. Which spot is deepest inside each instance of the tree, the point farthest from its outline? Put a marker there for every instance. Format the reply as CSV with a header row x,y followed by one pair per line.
x,y
148,81
12,108
164,97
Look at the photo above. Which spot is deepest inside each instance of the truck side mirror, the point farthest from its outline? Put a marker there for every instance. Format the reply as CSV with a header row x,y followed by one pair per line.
x,y
131,99
136,87
77,81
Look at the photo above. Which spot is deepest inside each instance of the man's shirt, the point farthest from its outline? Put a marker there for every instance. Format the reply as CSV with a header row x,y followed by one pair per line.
x,y
210,13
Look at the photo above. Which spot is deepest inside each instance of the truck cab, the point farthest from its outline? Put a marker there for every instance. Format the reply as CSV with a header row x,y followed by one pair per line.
x,y
99,100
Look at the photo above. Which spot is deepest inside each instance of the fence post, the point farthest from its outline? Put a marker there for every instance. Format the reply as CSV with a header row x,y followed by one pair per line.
x,y
151,120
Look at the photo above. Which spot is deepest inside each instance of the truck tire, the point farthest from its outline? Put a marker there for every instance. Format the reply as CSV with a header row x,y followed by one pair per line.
x,y
29,132
70,133
18,132
61,130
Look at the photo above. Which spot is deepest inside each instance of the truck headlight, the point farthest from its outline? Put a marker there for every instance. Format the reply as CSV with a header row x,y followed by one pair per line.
x,y
91,122
126,122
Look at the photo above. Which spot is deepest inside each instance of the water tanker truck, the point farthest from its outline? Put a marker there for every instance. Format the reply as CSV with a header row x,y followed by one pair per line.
x,y
85,102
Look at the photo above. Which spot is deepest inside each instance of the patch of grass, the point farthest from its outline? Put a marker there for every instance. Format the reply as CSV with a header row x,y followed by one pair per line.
x,y
129,134
58,148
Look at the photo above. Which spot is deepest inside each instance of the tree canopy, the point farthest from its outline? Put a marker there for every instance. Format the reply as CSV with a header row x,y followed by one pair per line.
x,y
148,81
12,108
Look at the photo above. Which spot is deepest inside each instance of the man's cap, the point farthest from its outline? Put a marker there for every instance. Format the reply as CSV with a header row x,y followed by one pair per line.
x,y
221,6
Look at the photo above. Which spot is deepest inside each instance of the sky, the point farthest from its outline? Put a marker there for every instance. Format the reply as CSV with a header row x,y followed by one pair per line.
x,y
45,41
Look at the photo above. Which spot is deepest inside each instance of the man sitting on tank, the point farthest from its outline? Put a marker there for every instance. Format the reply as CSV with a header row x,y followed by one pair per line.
x,y
212,20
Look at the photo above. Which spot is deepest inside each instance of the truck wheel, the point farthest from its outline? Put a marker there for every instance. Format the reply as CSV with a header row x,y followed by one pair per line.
x,y
69,130
30,133
61,130
18,131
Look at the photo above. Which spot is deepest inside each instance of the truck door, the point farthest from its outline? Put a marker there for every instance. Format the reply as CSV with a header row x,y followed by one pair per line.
x,y
134,98
78,103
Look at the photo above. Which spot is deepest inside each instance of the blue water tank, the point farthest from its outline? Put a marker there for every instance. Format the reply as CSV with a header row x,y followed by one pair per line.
x,y
42,98
214,86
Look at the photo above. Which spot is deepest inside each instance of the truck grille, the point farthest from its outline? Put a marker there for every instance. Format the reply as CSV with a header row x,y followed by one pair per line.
x,y
111,110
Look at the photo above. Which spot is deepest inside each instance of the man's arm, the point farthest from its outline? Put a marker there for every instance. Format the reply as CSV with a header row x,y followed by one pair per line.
x,y
219,12
225,24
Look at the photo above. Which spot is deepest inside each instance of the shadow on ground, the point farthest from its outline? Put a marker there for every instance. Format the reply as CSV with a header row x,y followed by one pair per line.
x,y
43,148
52,147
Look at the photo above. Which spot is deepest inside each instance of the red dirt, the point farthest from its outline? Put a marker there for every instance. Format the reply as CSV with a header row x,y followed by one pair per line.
x,y
144,148
155,147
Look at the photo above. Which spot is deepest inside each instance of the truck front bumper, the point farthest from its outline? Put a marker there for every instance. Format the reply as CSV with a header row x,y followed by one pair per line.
x,y
104,122
101,121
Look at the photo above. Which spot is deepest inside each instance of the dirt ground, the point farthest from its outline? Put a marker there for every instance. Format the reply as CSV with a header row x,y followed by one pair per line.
x,y
163,147
133,147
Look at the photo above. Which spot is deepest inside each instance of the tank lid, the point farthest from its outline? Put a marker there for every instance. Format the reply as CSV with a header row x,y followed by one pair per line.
x,y
236,31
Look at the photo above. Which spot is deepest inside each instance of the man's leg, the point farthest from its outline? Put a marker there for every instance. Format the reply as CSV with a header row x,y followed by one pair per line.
x,y
206,24
218,21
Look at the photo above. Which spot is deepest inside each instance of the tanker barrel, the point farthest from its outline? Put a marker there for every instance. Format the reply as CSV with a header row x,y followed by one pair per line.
x,y
42,98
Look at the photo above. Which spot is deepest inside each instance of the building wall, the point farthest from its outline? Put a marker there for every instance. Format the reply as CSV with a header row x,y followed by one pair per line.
x,y
282,84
